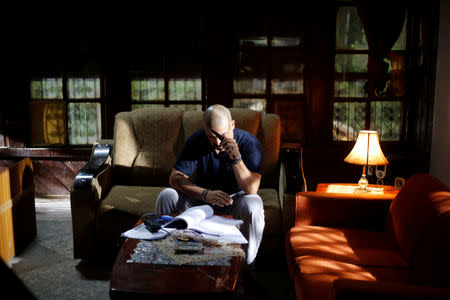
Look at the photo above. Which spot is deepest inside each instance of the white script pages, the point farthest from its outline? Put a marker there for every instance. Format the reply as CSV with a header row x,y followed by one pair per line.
x,y
200,219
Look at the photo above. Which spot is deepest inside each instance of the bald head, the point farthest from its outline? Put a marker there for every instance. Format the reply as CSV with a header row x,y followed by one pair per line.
x,y
217,116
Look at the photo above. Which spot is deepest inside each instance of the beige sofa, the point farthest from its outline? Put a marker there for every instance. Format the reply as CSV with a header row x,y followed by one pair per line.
x,y
125,175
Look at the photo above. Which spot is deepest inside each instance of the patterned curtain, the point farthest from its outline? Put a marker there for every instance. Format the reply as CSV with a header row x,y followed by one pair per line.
x,y
382,22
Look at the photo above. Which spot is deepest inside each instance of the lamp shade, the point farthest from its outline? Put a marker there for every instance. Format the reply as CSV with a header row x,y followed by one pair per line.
x,y
367,150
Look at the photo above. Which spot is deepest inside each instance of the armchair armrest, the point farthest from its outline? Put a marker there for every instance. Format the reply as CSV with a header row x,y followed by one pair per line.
x,y
359,289
88,188
100,154
341,210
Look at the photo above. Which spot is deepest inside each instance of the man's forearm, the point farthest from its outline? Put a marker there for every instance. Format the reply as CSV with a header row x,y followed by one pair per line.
x,y
182,184
248,181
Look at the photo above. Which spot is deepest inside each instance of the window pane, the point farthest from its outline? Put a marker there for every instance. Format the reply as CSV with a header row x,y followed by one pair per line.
x,y
280,86
249,86
84,123
136,106
185,89
46,88
286,41
254,104
349,30
147,89
47,122
351,63
349,88
256,41
386,118
187,107
348,120
84,88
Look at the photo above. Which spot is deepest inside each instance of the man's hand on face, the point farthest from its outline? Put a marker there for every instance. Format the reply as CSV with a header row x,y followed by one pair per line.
x,y
231,148
218,198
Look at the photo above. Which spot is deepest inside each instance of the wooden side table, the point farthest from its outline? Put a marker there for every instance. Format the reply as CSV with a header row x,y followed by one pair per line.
x,y
386,190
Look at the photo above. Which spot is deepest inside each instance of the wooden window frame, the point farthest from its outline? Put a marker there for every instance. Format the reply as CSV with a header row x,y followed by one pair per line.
x,y
65,76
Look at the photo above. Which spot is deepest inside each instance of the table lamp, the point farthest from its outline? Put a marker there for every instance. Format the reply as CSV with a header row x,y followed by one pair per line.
x,y
366,152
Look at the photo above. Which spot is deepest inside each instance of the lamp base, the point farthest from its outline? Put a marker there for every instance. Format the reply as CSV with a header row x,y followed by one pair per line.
x,y
362,185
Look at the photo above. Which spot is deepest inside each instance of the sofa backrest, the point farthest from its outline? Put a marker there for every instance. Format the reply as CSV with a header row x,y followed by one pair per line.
x,y
147,142
419,221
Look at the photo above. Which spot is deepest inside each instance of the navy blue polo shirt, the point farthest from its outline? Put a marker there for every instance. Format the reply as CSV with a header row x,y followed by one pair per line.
x,y
214,171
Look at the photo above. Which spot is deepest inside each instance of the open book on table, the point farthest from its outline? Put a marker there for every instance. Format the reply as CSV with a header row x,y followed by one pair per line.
x,y
197,218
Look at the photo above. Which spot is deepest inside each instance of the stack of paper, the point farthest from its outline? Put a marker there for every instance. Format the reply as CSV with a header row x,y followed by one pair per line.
x,y
200,219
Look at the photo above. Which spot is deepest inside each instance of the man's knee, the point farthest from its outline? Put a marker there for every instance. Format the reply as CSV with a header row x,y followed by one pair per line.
x,y
168,194
252,205
167,200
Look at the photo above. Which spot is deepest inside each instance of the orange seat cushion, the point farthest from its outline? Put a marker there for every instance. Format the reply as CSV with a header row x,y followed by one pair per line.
x,y
348,245
318,274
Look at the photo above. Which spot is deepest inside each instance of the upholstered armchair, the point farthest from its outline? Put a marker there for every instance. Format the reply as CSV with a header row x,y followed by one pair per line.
x,y
125,175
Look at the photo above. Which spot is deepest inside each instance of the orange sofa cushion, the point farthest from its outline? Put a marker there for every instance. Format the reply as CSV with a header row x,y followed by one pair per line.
x,y
318,275
348,245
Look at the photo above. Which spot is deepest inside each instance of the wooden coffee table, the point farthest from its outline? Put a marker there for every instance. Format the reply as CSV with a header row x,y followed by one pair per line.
x,y
133,280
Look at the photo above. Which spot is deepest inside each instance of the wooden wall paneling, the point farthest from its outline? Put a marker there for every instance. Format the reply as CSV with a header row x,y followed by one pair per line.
x,y
6,163
48,182
78,164
326,165
54,177
292,115
318,109
62,172
74,167
42,187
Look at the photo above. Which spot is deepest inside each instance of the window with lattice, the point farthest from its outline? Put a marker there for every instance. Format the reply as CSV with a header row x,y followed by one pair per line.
x,y
353,108
65,111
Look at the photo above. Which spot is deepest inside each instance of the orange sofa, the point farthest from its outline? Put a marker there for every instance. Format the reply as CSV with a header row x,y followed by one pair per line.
x,y
356,246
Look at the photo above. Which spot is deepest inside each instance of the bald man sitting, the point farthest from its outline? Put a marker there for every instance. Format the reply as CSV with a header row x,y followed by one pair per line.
x,y
224,166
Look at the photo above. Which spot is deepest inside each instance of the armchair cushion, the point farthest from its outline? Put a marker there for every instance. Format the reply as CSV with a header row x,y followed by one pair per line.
x,y
119,210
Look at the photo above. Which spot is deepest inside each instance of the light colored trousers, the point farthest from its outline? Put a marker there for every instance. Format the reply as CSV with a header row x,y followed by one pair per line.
x,y
248,208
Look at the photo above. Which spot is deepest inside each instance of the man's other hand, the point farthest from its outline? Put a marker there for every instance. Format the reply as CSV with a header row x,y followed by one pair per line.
x,y
218,198
231,148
